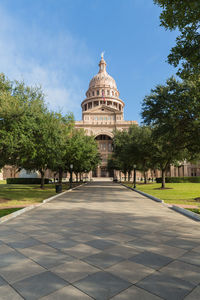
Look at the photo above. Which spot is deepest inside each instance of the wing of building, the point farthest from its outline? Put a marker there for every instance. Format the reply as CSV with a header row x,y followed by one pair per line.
x,y
102,113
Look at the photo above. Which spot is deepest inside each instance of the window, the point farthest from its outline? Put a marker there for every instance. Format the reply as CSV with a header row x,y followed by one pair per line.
x,y
112,93
92,93
108,92
97,92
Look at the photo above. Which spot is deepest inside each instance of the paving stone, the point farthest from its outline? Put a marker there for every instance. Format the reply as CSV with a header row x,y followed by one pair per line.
x,y
18,271
102,285
152,260
9,258
5,249
81,251
169,251
74,271
167,287
63,244
2,281
8,293
137,232
29,242
183,270
103,260
130,271
194,295
15,237
191,257
53,259
187,244
135,293
68,292
102,233
39,285
142,245
38,250
122,250
82,238
101,244
120,237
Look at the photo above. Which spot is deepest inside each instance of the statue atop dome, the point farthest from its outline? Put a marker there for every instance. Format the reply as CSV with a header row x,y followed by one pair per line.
x,y
102,54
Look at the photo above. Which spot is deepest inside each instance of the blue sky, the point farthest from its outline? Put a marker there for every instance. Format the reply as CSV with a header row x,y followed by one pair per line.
x,y
57,44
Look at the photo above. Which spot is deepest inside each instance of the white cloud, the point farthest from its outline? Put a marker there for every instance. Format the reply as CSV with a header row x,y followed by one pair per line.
x,y
50,60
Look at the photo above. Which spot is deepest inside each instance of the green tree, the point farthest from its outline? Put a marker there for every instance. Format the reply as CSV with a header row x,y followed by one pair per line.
x,y
185,16
173,111
141,148
121,157
81,152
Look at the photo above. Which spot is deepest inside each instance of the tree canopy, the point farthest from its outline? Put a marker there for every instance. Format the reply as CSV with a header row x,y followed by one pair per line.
x,y
35,138
185,16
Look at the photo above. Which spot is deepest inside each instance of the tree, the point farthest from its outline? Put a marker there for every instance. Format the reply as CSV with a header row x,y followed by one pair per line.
x,y
141,148
173,111
81,152
184,15
121,156
18,105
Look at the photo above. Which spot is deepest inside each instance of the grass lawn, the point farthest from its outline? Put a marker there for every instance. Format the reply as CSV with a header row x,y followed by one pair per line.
x,y
2,181
12,195
7,211
195,210
178,193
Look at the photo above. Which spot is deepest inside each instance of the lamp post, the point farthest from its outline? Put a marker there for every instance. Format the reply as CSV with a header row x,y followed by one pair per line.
x,y
134,176
71,167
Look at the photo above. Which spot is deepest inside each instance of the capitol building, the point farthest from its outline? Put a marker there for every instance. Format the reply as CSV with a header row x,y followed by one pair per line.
x,y
102,113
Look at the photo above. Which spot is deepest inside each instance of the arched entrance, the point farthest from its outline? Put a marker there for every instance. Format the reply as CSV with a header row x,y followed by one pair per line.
x,y
105,146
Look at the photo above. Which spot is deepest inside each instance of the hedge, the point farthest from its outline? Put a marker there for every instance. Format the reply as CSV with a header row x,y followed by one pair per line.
x,y
26,180
195,179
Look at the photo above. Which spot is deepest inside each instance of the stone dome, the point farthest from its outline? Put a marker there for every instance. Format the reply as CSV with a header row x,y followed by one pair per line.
x,y
102,78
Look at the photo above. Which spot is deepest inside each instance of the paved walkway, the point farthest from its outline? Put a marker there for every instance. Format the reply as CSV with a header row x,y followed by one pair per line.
x,y
100,241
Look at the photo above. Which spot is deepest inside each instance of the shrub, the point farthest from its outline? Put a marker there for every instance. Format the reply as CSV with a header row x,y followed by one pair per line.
x,y
26,180
195,179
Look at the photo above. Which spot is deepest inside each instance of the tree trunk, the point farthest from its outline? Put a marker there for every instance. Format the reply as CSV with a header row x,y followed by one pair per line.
x,y
120,176
42,179
76,177
129,175
163,178
60,176
145,178
125,176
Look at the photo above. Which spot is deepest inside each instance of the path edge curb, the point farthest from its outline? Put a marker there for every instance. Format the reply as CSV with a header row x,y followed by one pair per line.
x,y
23,210
144,194
178,209
186,212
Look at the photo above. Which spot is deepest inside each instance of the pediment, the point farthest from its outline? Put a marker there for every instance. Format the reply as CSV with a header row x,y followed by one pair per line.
x,y
106,109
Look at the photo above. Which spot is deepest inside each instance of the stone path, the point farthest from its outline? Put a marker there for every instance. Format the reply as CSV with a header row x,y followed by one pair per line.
x,y
100,241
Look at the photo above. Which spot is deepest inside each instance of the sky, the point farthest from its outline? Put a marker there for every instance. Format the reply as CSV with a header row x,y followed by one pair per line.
x,y
57,44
